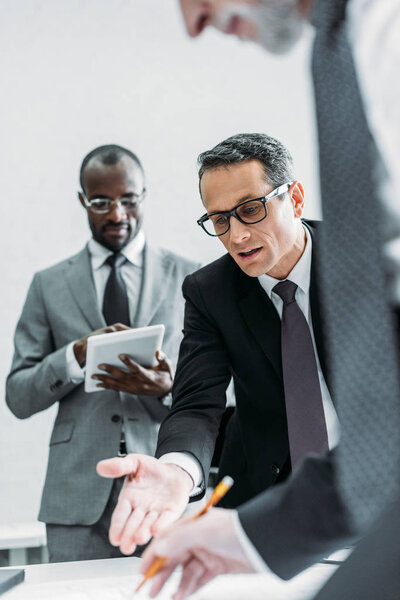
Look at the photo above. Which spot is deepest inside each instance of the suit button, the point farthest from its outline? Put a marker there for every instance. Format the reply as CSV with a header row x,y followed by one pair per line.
x,y
275,469
115,418
58,383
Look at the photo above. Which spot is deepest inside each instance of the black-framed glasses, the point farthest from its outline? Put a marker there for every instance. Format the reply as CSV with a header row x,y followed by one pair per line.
x,y
104,205
248,212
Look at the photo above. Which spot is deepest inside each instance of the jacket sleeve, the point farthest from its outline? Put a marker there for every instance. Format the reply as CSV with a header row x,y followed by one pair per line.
x,y
297,523
38,376
202,376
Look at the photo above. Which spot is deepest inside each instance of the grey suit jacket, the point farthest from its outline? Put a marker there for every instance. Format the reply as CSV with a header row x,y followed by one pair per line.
x,y
61,306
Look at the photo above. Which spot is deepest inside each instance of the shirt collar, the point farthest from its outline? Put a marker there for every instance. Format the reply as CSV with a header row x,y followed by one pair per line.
x,y
132,251
300,274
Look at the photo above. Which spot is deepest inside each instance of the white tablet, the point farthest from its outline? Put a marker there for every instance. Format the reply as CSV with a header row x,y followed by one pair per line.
x,y
141,344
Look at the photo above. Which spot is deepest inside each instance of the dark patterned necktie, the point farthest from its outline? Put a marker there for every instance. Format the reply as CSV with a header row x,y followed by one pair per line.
x,y
304,410
115,302
358,328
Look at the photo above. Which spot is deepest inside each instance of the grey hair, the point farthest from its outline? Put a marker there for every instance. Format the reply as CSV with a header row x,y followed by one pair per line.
x,y
276,159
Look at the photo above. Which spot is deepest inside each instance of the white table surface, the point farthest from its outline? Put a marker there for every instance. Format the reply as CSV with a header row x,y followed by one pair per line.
x,y
116,579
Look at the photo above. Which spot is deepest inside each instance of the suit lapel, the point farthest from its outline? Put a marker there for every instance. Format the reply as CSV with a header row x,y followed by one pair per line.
x,y
261,318
79,278
155,280
314,300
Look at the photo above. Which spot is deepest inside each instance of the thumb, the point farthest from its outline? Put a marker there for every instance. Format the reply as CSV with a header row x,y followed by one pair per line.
x,y
160,356
164,362
118,466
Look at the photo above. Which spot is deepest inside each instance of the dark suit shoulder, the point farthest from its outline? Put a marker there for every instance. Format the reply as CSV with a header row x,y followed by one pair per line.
x,y
214,281
223,265
313,224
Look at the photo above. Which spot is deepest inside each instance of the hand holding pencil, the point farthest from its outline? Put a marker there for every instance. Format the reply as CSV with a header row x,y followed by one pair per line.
x,y
215,497
205,547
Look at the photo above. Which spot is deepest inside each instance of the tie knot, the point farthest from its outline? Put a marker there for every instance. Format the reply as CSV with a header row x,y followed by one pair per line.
x,y
286,290
116,260
327,14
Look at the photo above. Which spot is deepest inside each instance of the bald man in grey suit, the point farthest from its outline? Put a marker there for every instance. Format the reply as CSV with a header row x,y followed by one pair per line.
x,y
63,307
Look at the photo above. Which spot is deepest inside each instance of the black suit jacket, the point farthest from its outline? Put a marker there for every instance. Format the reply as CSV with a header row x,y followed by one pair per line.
x,y
232,328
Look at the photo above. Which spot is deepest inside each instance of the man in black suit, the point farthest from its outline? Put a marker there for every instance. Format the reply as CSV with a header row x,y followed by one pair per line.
x,y
233,328
354,68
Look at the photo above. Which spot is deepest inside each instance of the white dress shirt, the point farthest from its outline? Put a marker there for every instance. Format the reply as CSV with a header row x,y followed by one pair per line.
x,y
131,272
301,275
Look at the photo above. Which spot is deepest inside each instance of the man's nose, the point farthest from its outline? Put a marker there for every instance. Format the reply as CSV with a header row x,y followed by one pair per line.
x,y
196,15
238,231
117,212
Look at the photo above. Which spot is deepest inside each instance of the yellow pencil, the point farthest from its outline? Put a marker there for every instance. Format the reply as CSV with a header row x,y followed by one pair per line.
x,y
218,493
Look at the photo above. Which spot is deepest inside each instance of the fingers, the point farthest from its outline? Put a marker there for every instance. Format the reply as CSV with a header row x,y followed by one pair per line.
x,y
160,356
192,574
119,466
144,532
173,543
163,521
164,363
127,535
113,384
160,578
114,380
119,519
116,327
133,366
111,369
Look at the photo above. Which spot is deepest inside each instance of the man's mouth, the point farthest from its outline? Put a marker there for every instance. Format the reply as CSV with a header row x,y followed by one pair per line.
x,y
117,228
247,254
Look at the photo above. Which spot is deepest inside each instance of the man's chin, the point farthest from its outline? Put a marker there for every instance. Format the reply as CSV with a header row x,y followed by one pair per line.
x,y
277,47
114,243
276,25
251,270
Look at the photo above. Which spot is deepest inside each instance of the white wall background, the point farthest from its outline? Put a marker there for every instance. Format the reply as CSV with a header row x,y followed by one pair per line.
x,y
79,73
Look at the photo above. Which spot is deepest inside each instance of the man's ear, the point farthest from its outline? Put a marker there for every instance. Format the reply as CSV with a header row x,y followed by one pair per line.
x,y
81,199
296,192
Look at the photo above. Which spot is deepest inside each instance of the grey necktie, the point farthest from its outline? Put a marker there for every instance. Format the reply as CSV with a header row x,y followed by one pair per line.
x,y
303,400
115,302
358,328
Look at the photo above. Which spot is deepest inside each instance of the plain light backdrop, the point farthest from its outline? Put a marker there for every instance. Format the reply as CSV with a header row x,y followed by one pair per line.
x,y
80,73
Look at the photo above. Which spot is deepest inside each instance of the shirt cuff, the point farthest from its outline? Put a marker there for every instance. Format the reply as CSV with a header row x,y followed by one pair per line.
x,y
254,557
167,400
188,463
75,373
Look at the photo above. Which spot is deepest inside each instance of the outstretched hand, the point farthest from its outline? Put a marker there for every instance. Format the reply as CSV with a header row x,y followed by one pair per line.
x,y
153,496
156,381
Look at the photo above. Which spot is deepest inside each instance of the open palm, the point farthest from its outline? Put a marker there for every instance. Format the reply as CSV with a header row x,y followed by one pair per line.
x,y
153,496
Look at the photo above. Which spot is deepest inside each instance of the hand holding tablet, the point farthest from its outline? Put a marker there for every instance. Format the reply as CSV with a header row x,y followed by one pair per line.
x,y
139,347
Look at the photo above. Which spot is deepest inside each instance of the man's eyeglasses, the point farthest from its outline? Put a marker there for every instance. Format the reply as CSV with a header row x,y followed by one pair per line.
x,y
248,212
104,205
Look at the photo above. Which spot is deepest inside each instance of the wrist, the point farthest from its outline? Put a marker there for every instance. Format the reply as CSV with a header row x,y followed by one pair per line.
x,y
79,354
183,476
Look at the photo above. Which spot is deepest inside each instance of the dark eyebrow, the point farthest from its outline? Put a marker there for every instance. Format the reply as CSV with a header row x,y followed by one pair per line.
x,y
99,196
131,195
243,199
248,197
105,197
